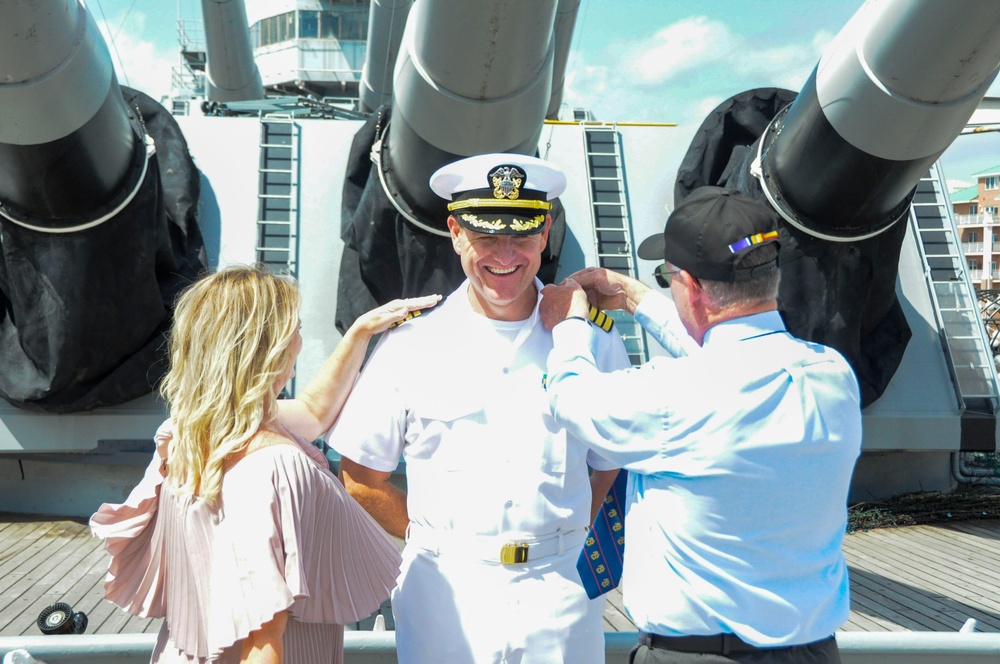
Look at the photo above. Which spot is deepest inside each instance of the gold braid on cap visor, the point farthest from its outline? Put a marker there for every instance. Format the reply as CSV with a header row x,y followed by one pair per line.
x,y
529,204
517,225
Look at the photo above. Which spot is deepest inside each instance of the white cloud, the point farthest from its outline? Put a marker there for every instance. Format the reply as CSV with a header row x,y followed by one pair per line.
x,y
677,48
954,184
139,63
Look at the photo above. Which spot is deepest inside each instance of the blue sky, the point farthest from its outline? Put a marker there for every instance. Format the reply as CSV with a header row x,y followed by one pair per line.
x,y
632,60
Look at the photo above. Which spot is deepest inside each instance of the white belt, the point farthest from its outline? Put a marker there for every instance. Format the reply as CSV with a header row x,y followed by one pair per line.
x,y
497,548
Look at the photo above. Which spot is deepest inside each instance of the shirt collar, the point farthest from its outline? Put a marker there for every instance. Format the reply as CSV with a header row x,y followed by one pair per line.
x,y
745,327
462,299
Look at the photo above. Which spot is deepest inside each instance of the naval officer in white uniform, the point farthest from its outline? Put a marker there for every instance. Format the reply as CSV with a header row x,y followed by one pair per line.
x,y
498,496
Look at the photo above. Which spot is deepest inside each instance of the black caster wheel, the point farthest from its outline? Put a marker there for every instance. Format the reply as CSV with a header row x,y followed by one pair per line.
x,y
59,618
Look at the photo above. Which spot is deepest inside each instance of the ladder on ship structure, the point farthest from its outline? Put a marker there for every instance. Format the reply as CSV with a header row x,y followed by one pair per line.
x,y
278,198
278,194
963,335
613,224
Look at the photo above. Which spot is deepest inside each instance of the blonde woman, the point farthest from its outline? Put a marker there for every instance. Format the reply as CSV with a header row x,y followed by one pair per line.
x,y
239,535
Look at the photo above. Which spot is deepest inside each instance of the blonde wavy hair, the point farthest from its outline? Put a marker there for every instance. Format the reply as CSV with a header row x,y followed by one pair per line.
x,y
229,343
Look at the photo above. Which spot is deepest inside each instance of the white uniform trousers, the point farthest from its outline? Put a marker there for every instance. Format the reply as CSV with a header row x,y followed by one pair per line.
x,y
454,608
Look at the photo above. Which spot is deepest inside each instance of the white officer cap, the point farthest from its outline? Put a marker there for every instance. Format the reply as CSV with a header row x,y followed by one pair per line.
x,y
499,193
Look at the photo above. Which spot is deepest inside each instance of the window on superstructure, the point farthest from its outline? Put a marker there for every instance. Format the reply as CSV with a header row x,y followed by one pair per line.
x,y
347,23
973,236
286,28
274,29
993,182
973,208
329,25
990,210
309,24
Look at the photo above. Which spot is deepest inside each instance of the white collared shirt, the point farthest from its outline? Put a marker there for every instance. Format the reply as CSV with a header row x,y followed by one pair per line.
x,y
461,399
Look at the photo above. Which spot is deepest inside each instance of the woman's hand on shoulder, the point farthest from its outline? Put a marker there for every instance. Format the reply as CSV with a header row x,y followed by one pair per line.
x,y
381,318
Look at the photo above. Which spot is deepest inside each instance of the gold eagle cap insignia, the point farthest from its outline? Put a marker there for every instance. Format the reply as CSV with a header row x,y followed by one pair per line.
x,y
507,181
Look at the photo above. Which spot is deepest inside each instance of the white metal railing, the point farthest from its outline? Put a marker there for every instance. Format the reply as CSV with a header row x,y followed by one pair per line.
x,y
962,647
976,275
981,219
973,247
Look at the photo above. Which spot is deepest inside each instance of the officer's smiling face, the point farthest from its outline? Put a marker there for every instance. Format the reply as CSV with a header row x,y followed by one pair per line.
x,y
501,270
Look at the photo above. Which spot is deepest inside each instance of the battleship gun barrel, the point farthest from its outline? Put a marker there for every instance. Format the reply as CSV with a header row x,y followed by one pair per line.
x,y
480,81
65,163
95,238
841,160
563,31
231,73
893,90
386,20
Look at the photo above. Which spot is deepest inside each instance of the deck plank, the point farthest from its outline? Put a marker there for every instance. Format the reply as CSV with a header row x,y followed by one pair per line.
x,y
958,590
49,587
17,583
615,617
942,575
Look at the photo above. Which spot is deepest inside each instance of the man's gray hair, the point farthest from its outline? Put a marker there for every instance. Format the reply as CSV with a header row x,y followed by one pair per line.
x,y
760,290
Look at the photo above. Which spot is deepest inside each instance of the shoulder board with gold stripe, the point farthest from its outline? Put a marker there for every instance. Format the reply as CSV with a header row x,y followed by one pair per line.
x,y
410,316
601,319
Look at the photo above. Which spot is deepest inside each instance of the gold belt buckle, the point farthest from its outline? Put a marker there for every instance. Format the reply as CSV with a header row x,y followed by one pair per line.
x,y
513,553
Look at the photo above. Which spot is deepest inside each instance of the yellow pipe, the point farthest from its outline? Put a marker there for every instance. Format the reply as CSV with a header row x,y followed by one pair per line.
x,y
595,123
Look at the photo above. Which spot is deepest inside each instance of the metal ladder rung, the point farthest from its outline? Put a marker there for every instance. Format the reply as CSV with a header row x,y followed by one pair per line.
x,y
611,161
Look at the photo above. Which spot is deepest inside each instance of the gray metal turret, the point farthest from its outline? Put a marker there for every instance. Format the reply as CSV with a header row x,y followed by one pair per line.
x,y
386,21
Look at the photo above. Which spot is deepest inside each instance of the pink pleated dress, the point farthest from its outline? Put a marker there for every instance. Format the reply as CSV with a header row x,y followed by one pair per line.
x,y
285,535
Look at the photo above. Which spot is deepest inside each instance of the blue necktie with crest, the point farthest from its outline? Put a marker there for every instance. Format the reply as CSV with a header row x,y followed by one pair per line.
x,y
600,562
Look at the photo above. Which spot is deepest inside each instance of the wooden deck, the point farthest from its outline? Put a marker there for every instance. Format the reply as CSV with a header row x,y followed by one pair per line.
x,y
918,578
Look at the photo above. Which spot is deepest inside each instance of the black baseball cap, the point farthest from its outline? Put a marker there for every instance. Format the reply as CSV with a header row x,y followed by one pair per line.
x,y
710,231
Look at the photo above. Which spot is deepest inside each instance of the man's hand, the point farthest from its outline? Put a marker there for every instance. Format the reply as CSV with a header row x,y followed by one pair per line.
x,y
610,290
561,302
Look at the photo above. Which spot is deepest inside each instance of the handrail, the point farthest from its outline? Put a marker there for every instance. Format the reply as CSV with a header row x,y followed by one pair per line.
x,y
380,647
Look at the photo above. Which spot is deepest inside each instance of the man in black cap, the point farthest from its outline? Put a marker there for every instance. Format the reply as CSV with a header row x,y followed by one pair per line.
x,y
740,447
498,496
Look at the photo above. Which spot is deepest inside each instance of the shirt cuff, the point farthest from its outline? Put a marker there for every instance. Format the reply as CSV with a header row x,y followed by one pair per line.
x,y
654,311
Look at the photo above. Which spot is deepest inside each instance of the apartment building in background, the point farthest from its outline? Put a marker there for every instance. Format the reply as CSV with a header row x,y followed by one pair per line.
x,y
976,213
